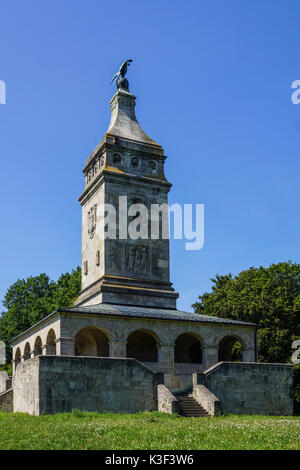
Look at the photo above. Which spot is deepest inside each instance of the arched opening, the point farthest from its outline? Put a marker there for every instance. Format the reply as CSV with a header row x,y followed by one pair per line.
x,y
142,346
17,357
116,158
134,162
91,341
231,349
27,354
38,347
188,349
51,343
152,166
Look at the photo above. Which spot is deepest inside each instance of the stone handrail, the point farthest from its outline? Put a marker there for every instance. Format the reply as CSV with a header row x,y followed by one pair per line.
x,y
207,400
244,364
167,402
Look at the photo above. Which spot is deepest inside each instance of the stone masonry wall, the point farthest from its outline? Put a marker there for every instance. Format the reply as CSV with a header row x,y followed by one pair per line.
x,y
250,388
62,383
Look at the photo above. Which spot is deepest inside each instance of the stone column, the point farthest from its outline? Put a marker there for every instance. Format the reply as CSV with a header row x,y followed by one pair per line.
x,y
166,357
210,355
14,366
65,346
117,347
44,350
249,354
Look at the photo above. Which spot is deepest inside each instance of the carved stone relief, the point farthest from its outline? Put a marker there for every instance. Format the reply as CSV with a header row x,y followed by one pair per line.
x,y
136,259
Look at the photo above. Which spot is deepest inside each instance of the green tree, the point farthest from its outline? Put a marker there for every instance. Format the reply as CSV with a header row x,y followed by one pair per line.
x,y
67,289
29,300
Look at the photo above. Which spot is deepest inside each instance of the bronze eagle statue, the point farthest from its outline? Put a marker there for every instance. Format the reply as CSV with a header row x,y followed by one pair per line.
x,y
122,70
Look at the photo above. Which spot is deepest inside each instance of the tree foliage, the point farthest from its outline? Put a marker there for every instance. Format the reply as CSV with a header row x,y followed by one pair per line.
x,y
29,300
269,297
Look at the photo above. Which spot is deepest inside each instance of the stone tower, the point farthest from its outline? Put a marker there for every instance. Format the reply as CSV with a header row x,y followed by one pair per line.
x,y
127,164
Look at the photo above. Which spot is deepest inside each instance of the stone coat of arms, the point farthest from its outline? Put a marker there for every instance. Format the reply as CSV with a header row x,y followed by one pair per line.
x,y
92,220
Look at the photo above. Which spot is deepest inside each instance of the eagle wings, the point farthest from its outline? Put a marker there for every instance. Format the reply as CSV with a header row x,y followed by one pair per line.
x,y
122,70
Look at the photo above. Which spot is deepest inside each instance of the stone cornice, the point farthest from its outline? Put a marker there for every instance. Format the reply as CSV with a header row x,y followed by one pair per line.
x,y
114,143
90,314
111,175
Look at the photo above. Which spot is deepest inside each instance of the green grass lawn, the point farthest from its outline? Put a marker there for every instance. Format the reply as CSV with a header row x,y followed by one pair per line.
x,y
85,431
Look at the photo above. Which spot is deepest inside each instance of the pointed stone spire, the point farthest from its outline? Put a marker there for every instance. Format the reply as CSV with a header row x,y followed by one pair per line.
x,y
123,122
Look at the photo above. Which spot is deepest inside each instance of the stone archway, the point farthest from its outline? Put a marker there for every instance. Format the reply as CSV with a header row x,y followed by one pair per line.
x,y
17,357
51,343
91,341
231,349
142,346
37,350
27,352
188,349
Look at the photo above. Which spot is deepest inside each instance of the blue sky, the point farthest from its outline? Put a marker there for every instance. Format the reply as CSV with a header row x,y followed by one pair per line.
x,y
213,84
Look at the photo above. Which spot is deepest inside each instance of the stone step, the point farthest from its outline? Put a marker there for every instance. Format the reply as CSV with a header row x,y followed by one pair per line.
x,y
195,412
192,408
189,407
194,415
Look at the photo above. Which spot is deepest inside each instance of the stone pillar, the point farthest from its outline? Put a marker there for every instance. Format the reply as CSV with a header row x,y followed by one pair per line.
x,y
25,358
65,346
14,366
44,350
117,347
166,357
249,354
210,355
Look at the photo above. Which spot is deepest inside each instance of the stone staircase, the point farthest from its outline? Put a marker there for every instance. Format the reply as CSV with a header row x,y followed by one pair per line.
x,y
189,407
